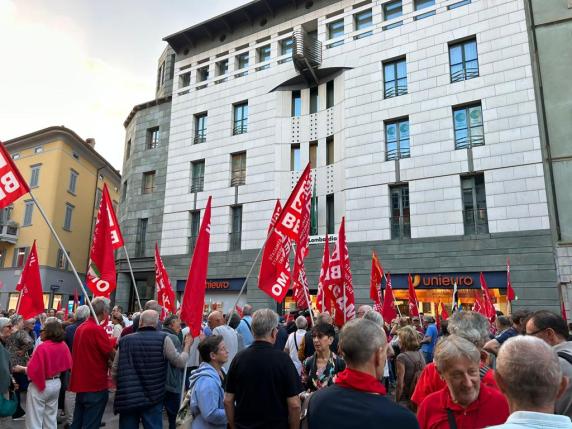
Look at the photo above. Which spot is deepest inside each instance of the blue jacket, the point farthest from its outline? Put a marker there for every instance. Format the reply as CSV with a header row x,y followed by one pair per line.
x,y
244,330
207,398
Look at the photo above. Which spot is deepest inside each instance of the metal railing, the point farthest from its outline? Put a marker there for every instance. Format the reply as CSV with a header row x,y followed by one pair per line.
x,y
470,141
240,127
476,221
200,137
465,73
400,227
306,48
397,153
395,91
238,178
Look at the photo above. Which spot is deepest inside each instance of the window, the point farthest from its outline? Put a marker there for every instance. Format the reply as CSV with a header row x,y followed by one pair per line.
x,y
313,154
152,137
20,255
423,4
242,63
61,260
363,20
184,80
38,149
336,29
314,100
161,75
73,181
28,210
148,182
128,150
330,94
141,237
463,60
397,139
221,70
240,120
286,47
200,128
35,176
395,78
456,5
124,191
68,217
392,10
235,227
16,156
194,225
197,175
295,162
329,150
98,197
400,224
330,214
203,74
314,212
468,123
263,55
474,204
296,103
238,169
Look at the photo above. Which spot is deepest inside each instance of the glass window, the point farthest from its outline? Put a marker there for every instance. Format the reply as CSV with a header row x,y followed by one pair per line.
x,y
423,4
314,100
20,255
463,60
397,139
363,20
236,227
184,80
197,175
35,176
152,137
148,182
194,226
221,70
200,128
474,204
263,56
28,210
330,214
400,220
203,74
395,78
128,150
392,10
329,150
286,48
124,191
73,181
456,5
296,103
295,162
468,123
161,75
330,94
313,154
238,169
141,237
68,217
336,29
61,260
314,212
242,63
240,125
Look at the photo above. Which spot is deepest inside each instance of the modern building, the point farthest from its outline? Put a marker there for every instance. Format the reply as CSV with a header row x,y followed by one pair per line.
x,y
420,121
66,175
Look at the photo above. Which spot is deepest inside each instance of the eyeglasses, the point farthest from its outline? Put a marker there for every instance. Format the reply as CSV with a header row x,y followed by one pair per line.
x,y
536,332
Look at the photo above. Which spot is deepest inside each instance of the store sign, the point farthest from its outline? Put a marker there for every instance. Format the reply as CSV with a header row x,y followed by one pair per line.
x,y
321,239
495,280
220,285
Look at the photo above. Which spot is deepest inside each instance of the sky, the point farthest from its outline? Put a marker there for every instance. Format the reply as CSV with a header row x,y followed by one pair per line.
x,y
84,64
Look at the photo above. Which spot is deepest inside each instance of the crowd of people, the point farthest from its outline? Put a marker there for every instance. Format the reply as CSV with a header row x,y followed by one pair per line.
x,y
259,370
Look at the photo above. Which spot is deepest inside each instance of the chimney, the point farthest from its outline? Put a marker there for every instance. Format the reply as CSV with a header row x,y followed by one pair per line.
x,y
90,142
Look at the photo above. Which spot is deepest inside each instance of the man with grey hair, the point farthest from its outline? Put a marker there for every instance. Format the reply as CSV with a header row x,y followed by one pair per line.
x,y
294,341
357,399
218,326
245,326
262,386
529,375
363,310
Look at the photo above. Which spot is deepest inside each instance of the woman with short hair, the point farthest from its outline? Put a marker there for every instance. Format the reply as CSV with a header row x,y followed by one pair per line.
x,y
409,364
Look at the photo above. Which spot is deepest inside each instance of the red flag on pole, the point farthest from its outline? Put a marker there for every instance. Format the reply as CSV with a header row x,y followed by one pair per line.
x,y
324,299
389,311
563,309
165,294
444,315
30,285
487,300
300,286
12,184
59,306
340,279
194,296
238,310
116,237
479,307
101,272
375,283
289,222
413,303
510,295
274,277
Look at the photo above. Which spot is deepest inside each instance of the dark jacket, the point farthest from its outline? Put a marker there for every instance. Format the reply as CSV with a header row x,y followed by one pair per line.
x,y
174,379
70,333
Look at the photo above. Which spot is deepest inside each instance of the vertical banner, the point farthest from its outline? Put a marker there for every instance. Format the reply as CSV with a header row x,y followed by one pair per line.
x,y
165,294
389,309
324,299
413,303
30,287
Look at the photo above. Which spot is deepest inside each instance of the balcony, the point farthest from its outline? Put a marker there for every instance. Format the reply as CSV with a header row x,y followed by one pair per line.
x,y
9,232
400,227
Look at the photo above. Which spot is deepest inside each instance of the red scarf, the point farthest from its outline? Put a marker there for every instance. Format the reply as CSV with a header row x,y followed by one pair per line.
x,y
358,380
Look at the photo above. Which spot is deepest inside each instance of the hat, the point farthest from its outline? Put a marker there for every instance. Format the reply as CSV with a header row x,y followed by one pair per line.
x,y
4,321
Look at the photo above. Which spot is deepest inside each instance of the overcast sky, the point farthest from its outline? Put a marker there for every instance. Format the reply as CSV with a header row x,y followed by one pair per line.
x,y
85,63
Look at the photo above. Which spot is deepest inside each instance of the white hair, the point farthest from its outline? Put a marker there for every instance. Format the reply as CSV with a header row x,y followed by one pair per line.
x,y
263,322
301,322
452,348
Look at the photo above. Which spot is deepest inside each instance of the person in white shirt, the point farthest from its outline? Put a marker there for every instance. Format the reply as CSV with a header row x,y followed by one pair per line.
x,y
294,341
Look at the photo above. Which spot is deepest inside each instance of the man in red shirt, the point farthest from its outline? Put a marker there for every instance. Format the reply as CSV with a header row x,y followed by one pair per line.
x,y
92,350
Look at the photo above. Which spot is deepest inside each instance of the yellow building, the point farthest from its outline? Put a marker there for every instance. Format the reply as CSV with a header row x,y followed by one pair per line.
x,y
66,175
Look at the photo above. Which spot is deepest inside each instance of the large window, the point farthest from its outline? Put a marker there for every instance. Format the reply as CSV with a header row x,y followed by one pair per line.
x,y
474,204
242,63
72,185
400,224
286,47
330,214
197,175
200,128
330,94
330,150
68,217
295,162
313,154
468,123
148,182
152,138
61,260
336,29
263,56
35,175
28,210
392,10
238,169
141,237
397,139
194,225
363,20
20,256
296,103
395,78
314,100
240,118
423,4
235,227
463,60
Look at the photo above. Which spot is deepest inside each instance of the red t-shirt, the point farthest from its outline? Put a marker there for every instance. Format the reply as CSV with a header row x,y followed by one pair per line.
x,y
490,408
91,351
430,382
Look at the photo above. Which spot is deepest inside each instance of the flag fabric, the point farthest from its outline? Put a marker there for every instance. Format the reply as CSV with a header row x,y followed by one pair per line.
x,y
490,310
165,294
274,277
455,303
479,307
12,184
389,311
238,310
443,313
75,300
59,306
289,222
101,271
413,303
375,283
30,287
195,288
510,295
563,309
324,299
116,237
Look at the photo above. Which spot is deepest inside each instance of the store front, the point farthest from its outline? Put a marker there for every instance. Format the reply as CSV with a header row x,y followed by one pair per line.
x,y
220,295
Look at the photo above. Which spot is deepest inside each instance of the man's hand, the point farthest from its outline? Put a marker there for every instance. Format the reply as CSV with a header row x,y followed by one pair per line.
x,y
188,341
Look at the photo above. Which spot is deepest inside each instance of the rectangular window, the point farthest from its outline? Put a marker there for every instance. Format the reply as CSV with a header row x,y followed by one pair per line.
x,y
184,80
397,139
392,10
295,162
456,5
314,213
161,75
197,175
200,128
238,169
38,149
286,48
474,204
221,70
296,103
35,176
128,150
423,4
314,100
400,221
330,214
336,29
28,210
152,138
330,94
194,225
395,78
240,118
61,260
463,60
363,20
141,237
68,217
236,227
329,150
263,55
313,154
203,74
124,191
20,255
148,182
2,257
72,186
468,123
242,63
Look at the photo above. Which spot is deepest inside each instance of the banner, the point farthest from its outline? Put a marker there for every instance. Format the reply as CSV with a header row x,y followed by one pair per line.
x,y
116,237
389,311
290,219
165,294
375,283
12,184
300,286
490,310
324,300
413,303
30,285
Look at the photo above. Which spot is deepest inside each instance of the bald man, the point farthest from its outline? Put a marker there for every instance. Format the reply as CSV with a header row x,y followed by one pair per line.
x,y
219,327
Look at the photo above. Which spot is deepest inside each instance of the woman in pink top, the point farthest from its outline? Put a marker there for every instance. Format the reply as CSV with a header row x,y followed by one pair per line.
x,y
49,359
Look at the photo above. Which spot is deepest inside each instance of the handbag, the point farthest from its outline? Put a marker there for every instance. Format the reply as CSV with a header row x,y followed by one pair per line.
x,y
185,417
8,406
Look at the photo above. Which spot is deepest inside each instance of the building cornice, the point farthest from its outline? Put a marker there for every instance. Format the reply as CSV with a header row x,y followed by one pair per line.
x,y
143,106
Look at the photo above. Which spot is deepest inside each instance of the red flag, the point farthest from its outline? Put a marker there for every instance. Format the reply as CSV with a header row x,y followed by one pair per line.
x,y
444,314
274,277
30,285
563,309
413,303
324,299
101,272
12,184
510,296
490,310
300,286
289,222
375,283
389,311
59,306
238,310
116,237
75,300
165,294
194,295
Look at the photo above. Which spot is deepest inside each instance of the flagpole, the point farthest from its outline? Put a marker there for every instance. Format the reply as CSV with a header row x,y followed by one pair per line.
x,y
54,233
132,277
19,301
183,386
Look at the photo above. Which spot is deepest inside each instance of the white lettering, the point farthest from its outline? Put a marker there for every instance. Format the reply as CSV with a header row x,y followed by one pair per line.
x,y
9,182
281,283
